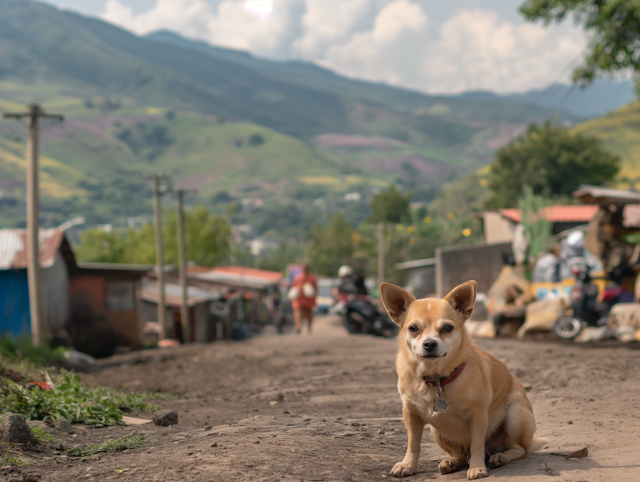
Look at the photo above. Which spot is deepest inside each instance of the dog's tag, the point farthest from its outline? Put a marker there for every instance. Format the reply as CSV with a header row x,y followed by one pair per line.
x,y
440,405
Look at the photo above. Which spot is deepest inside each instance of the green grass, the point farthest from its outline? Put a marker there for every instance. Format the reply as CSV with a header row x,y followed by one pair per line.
x,y
41,435
22,348
72,401
130,442
9,460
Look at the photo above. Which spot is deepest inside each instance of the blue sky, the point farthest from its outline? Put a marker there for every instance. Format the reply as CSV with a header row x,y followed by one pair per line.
x,y
436,46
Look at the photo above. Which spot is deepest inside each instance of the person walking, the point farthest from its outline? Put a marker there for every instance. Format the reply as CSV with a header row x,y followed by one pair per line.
x,y
305,286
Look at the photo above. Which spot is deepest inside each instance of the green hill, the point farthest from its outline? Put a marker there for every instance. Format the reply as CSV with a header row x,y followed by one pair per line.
x,y
620,133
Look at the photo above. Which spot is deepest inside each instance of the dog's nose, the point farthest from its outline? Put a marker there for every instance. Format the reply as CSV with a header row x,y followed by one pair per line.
x,y
430,345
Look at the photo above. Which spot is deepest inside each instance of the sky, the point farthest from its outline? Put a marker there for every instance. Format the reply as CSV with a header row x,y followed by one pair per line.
x,y
435,46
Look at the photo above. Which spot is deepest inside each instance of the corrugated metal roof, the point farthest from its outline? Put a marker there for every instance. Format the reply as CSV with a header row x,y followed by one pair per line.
x,y
173,294
13,247
419,263
558,214
605,195
241,277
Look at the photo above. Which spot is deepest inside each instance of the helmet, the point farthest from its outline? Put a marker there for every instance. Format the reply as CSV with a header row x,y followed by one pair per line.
x,y
345,270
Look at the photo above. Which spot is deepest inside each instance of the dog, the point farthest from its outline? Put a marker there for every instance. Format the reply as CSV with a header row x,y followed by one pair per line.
x,y
476,408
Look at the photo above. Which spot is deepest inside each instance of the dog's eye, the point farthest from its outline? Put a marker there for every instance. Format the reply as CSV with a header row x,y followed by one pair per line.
x,y
414,329
447,328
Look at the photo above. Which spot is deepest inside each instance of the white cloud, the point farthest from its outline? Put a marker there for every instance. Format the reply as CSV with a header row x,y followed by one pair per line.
x,y
392,41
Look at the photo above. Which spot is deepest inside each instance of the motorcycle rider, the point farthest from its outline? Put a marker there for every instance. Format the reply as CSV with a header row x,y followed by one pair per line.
x,y
350,284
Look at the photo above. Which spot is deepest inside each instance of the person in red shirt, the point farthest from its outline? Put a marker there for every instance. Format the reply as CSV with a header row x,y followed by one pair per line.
x,y
307,286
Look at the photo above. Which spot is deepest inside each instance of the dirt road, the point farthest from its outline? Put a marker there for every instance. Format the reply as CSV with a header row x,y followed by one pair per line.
x,y
283,408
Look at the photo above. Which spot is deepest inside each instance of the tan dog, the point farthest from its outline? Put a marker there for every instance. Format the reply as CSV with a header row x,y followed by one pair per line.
x,y
482,408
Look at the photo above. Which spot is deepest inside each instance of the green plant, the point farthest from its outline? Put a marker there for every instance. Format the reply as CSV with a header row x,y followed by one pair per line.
x,y
9,460
41,435
23,348
72,401
130,442
534,220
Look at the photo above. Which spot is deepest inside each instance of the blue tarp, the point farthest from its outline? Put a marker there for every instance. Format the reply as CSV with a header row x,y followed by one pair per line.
x,y
14,303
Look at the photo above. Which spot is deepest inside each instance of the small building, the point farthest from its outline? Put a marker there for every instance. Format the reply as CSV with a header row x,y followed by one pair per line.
x,y
94,305
419,277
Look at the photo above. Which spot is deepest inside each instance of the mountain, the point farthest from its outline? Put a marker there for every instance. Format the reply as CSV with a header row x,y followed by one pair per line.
x,y
225,122
596,100
619,132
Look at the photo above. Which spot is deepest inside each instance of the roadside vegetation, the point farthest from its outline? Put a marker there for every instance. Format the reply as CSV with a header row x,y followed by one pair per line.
x,y
125,443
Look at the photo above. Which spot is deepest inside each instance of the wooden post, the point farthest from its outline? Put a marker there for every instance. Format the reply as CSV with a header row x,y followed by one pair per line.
x,y
182,267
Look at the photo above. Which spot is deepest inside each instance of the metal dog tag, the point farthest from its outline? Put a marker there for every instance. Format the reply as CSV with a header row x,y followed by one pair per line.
x,y
440,405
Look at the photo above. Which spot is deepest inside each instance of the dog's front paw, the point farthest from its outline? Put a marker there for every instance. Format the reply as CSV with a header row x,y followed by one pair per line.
x,y
476,473
449,465
497,460
403,469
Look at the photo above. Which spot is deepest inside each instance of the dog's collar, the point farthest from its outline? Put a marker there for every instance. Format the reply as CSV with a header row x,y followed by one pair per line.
x,y
447,380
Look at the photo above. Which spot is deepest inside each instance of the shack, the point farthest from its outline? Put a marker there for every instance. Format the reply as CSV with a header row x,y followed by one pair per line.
x,y
94,307
419,276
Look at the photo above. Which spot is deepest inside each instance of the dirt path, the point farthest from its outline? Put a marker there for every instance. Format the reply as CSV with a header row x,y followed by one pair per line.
x,y
281,409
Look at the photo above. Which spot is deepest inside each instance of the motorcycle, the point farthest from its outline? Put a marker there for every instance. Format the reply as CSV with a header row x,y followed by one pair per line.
x,y
361,316
586,309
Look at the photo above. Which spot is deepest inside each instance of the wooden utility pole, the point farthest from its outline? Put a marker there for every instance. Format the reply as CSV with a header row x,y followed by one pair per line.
x,y
38,330
159,251
380,253
182,266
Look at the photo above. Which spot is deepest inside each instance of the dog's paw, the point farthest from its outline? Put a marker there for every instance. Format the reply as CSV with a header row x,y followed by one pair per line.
x,y
449,465
402,469
477,473
497,460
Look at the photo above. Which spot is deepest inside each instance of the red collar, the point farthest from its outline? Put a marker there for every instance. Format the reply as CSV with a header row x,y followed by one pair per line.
x,y
449,379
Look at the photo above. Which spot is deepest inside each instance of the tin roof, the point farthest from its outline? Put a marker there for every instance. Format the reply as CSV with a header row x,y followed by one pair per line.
x,y
419,263
241,277
173,294
558,214
605,195
13,247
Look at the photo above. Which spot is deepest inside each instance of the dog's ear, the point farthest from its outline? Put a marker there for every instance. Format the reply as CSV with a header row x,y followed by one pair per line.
x,y
463,298
396,301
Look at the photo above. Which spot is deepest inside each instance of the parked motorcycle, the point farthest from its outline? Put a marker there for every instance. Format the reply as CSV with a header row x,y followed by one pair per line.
x,y
361,316
586,309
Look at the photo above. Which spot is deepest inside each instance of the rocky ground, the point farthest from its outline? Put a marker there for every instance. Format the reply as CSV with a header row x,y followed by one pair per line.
x,y
325,408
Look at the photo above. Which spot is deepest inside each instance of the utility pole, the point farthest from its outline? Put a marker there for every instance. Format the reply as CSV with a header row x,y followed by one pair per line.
x,y
159,251
182,265
38,330
380,253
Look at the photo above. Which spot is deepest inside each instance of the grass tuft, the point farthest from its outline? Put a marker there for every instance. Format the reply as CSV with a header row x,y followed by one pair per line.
x,y
23,348
9,460
42,435
130,442
72,401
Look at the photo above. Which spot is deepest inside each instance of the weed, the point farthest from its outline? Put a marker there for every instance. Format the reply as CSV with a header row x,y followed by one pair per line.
x,y
72,401
23,348
8,460
42,435
130,442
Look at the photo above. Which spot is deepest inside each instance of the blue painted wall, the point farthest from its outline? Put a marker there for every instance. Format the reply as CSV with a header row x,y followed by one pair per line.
x,y
14,303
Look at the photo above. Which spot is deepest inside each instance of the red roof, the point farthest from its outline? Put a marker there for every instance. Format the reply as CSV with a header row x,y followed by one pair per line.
x,y
273,276
13,247
558,214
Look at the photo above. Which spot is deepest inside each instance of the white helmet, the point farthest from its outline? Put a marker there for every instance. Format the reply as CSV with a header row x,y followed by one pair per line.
x,y
345,270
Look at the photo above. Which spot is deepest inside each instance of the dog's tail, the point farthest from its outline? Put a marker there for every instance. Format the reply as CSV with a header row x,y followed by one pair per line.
x,y
537,444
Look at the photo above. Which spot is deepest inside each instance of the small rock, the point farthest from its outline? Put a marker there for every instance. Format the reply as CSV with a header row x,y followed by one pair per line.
x,y
165,418
355,424
381,431
14,429
32,478
527,387
214,444
570,422
59,447
65,426
206,429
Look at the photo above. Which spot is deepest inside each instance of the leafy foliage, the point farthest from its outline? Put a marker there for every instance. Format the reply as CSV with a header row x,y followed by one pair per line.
x,y
23,348
9,460
550,159
537,226
331,246
130,442
615,32
206,235
41,435
72,401
390,206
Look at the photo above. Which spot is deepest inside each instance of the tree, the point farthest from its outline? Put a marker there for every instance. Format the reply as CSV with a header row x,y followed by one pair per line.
x,y
390,206
331,246
615,33
206,235
550,159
